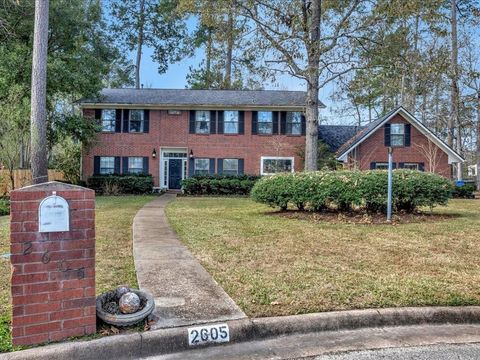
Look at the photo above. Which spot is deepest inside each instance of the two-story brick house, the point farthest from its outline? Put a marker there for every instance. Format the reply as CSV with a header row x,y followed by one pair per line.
x,y
173,134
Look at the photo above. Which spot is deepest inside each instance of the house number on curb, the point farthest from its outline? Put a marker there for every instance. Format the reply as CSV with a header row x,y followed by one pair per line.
x,y
199,335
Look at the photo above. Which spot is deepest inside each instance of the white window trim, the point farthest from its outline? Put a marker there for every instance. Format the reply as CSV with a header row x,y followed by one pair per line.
x,y
275,158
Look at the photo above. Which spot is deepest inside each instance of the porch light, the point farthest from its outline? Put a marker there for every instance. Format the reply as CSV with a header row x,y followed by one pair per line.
x,y
154,153
191,154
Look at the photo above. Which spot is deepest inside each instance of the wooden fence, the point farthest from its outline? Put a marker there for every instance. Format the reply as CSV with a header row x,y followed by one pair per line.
x,y
23,178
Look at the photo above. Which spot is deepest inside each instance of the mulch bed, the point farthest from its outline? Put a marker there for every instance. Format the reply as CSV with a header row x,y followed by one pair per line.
x,y
362,218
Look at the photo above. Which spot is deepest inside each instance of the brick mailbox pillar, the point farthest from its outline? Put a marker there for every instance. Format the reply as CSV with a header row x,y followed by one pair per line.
x,y
53,262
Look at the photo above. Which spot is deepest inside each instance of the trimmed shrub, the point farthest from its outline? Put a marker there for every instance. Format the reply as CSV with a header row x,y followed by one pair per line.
x,y
121,184
4,207
344,190
466,191
219,184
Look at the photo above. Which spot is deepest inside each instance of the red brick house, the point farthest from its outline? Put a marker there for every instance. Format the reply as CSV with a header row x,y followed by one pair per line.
x,y
414,145
173,134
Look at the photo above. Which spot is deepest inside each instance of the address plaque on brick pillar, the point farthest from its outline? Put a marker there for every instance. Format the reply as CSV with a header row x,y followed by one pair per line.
x,y
53,214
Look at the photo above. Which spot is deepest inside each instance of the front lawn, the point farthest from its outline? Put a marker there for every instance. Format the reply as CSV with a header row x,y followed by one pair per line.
x,y
114,257
276,265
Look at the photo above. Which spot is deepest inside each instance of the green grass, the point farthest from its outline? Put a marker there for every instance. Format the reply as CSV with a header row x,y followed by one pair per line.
x,y
114,258
273,265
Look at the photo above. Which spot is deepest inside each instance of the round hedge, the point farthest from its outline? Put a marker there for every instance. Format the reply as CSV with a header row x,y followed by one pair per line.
x,y
344,190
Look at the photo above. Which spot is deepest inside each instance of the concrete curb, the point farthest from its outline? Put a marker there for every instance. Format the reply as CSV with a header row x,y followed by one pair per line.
x,y
165,341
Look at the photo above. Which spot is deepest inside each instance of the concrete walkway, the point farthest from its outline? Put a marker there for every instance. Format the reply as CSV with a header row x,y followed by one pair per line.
x,y
184,292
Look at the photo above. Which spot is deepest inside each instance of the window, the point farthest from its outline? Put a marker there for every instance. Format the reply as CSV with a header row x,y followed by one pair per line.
x,y
230,166
136,121
135,165
202,122
411,166
272,165
230,122
381,166
265,122
397,134
294,123
202,166
107,165
108,120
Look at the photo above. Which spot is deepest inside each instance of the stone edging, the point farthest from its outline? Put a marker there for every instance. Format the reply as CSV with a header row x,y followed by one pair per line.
x,y
165,341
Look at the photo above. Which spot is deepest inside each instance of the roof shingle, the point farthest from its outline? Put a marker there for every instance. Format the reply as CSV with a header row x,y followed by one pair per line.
x,y
189,97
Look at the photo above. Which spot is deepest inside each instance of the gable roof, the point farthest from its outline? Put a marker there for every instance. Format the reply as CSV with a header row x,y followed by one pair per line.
x,y
363,134
336,135
199,98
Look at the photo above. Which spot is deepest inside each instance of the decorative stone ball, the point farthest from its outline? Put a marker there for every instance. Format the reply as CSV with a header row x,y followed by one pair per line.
x,y
121,290
129,303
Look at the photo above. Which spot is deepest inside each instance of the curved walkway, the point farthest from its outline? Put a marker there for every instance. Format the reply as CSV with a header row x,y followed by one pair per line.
x,y
184,292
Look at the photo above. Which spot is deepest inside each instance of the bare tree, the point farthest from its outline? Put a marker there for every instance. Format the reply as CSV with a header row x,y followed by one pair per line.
x,y
431,152
39,161
309,42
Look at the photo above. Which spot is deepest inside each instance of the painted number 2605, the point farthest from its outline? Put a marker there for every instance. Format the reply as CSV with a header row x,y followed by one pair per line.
x,y
208,334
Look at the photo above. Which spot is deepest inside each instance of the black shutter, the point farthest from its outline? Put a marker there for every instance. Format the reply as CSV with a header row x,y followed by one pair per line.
x,y
146,121
283,122
126,114
241,166
408,134
117,165
401,165
212,166
145,165
387,135
373,166
192,122
220,122
219,166
394,165
118,120
275,122
254,122
124,165
241,122
96,165
98,118
191,167
421,166
304,125
213,122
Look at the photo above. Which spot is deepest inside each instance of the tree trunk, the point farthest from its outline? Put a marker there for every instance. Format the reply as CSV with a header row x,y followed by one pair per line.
x,y
454,118
39,161
478,140
311,109
228,60
139,44
208,62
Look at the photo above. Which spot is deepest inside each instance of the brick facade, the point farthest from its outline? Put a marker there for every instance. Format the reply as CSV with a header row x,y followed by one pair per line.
x,y
172,131
421,150
53,274
167,131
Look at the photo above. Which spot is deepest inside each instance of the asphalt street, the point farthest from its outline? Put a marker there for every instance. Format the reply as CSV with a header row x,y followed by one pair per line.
x,y
433,352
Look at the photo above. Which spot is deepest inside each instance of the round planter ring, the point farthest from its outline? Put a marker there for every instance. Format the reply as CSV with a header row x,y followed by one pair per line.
x,y
126,319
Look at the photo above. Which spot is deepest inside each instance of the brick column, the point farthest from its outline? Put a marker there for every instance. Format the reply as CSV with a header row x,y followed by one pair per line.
x,y
53,273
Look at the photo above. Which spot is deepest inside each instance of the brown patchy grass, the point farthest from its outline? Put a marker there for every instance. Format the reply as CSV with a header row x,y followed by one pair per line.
x,y
278,265
114,252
